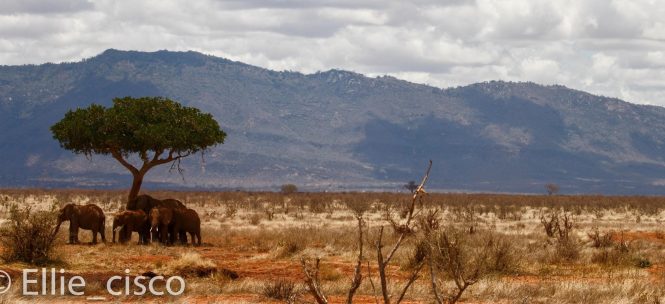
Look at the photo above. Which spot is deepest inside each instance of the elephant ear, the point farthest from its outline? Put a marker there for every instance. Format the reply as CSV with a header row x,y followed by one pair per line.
x,y
69,210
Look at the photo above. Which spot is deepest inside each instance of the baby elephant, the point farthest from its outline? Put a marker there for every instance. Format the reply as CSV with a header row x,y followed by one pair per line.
x,y
132,221
88,217
165,221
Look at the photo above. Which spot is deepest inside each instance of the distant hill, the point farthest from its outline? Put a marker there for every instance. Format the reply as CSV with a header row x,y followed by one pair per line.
x,y
338,130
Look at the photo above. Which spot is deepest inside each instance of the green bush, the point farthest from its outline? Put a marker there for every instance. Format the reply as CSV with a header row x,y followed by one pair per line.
x,y
289,188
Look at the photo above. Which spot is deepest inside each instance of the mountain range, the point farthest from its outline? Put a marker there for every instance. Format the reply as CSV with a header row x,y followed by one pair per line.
x,y
337,130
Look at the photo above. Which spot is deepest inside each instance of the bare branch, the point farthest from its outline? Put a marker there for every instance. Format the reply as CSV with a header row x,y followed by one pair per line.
x,y
435,289
371,282
382,268
414,276
116,154
312,281
357,275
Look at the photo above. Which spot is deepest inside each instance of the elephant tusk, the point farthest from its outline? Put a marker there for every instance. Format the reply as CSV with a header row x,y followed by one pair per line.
x,y
118,228
152,229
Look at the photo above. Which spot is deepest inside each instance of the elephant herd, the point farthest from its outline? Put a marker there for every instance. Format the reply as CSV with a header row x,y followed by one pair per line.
x,y
167,221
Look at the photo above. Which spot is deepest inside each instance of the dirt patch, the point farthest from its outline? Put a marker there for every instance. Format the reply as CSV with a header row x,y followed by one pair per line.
x,y
649,236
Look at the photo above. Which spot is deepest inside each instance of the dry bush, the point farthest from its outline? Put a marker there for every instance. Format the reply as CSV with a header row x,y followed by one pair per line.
x,y
289,248
280,290
609,257
230,210
317,206
270,213
550,223
567,249
28,235
190,264
254,219
465,259
599,240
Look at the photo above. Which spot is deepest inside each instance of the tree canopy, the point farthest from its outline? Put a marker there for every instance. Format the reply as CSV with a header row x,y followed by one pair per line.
x,y
157,129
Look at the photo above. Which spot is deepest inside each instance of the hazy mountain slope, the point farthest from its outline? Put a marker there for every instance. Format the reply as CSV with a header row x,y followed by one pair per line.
x,y
339,129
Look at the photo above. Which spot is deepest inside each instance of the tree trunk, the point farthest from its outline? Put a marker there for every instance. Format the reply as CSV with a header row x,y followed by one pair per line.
x,y
136,185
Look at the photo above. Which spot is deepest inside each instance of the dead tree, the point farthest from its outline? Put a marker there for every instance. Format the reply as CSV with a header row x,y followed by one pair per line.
x,y
403,229
312,271
448,253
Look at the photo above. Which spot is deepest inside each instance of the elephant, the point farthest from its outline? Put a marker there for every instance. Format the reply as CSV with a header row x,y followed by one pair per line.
x,y
146,203
88,217
187,221
168,221
161,224
131,221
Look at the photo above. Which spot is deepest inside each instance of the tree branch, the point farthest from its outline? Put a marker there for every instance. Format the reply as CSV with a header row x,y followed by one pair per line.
x,y
312,281
382,268
435,289
116,154
371,282
357,275
412,279
172,157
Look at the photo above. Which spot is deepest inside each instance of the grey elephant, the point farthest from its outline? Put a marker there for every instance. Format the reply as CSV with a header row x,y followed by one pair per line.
x,y
174,222
88,217
131,221
146,203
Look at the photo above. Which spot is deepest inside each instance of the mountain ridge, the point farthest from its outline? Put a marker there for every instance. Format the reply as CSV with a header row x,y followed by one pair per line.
x,y
339,130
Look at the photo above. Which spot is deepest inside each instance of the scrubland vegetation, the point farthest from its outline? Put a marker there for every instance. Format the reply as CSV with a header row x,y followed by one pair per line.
x,y
475,248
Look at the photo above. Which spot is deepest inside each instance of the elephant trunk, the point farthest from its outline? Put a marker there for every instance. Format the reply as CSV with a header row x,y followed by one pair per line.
x,y
57,228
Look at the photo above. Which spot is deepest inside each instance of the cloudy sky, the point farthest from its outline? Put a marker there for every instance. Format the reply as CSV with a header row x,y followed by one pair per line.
x,y
608,47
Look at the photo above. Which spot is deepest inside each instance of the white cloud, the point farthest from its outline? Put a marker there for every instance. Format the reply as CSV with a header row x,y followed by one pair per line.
x,y
608,47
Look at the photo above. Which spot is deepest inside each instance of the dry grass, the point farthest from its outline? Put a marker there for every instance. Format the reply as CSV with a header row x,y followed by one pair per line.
x,y
613,252
189,264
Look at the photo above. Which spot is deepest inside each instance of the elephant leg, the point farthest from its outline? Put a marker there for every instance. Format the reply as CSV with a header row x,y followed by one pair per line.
x,y
182,235
102,233
146,238
122,235
169,231
73,234
164,236
94,236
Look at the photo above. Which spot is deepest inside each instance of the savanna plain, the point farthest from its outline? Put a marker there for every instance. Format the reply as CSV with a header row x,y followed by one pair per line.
x,y
265,247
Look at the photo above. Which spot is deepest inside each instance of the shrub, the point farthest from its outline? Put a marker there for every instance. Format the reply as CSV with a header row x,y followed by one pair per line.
x,y
191,264
466,258
280,290
289,248
231,210
270,213
418,254
550,223
567,249
27,236
502,259
642,262
255,219
600,240
608,257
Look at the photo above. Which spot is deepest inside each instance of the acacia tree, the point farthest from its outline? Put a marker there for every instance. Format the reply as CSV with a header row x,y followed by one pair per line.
x,y
156,129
